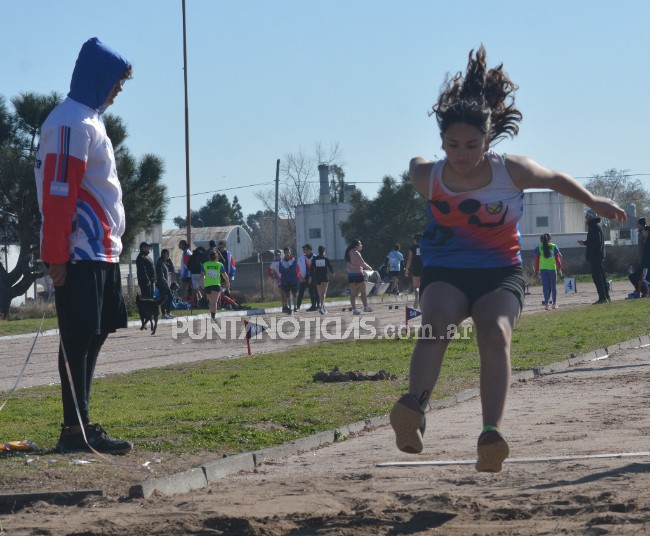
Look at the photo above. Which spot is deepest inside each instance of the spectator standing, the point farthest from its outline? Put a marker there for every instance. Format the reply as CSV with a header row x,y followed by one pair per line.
x,y
288,268
640,227
274,269
199,256
638,278
170,268
548,264
322,270
164,282
595,255
635,275
414,267
145,271
305,267
355,268
227,260
186,275
76,180
394,262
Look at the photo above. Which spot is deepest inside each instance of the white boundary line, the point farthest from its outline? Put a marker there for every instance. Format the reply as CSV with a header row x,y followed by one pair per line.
x,y
516,460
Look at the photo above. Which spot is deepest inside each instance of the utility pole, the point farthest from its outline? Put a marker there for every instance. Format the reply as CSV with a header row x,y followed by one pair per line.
x,y
277,193
187,137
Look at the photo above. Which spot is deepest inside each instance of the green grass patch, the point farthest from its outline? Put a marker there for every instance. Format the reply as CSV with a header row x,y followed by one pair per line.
x,y
229,406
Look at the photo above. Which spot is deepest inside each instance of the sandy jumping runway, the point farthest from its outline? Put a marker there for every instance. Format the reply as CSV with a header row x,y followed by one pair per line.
x,y
598,407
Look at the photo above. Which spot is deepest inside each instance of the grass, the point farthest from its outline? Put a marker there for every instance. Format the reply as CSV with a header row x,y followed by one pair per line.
x,y
229,406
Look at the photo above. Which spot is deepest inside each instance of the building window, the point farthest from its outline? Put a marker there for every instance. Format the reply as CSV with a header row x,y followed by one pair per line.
x,y
314,233
542,221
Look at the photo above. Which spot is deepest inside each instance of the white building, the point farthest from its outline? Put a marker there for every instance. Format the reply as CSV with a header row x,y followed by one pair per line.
x,y
320,224
546,211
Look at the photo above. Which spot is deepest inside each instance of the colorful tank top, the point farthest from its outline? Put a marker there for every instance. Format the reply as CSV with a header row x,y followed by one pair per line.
x,y
477,229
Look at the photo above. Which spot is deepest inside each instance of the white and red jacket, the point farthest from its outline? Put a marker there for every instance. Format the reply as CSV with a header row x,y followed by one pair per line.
x,y
79,193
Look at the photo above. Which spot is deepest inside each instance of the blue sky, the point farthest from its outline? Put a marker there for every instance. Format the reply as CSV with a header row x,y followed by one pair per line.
x,y
268,78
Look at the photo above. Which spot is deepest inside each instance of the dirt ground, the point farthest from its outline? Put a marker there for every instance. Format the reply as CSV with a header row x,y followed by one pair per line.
x,y
596,408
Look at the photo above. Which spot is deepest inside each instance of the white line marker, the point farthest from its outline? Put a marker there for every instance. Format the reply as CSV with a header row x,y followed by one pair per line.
x,y
600,358
517,460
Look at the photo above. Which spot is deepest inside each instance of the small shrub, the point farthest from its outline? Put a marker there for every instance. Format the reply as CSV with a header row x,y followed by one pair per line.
x,y
32,309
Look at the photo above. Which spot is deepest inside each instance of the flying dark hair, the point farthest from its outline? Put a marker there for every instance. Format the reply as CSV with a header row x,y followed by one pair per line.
x,y
352,245
546,240
482,98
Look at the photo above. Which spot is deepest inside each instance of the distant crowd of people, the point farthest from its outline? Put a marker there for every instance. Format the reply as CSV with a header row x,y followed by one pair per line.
x,y
204,275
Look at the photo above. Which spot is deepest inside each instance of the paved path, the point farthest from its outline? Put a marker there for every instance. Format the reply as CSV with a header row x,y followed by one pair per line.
x,y
132,349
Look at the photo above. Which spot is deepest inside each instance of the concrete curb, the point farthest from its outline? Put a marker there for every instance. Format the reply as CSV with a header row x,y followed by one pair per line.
x,y
210,472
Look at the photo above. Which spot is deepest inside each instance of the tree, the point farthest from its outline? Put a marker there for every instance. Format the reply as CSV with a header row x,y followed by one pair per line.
x,y
261,227
18,201
622,188
337,185
299,176
395,215
217,212
143,196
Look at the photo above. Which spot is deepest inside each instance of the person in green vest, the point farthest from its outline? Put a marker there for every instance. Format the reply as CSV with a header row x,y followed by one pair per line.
x,y
212,274
548,265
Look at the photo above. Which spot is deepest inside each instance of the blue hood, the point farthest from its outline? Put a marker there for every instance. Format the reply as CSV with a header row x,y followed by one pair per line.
x,y
97,69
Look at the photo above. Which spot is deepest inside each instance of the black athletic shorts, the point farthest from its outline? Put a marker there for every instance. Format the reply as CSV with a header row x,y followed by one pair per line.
x,y
355,278
212,288
416,270
91,301
476,282
291,287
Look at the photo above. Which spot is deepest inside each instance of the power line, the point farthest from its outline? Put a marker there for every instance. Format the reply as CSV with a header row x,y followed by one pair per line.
x,y
222,190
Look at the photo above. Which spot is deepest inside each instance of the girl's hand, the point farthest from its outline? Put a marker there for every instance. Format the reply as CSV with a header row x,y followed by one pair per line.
x,y
607,208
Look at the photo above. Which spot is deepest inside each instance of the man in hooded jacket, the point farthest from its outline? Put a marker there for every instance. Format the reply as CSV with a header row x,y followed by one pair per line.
x,y
595,255
80,200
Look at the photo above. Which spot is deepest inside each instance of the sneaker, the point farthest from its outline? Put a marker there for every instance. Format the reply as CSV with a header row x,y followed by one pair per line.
x,y
355,312
295,309
324,310
555,306
367,309
286,310
604,300
312,308
408,422
321,310
97,437
492,449
547,306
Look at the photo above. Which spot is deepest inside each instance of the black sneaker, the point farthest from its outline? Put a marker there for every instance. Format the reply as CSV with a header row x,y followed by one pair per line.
x,y
97,438
69,442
